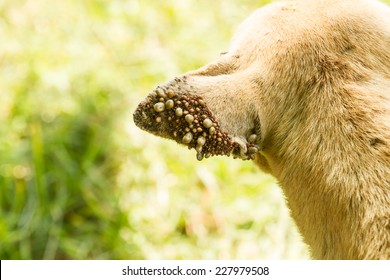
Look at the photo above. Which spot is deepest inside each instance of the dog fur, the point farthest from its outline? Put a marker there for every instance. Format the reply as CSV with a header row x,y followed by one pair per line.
x,y
312,80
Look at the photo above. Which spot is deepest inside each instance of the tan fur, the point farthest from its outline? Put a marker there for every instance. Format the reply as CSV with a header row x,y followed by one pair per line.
x,y
317,73
312,78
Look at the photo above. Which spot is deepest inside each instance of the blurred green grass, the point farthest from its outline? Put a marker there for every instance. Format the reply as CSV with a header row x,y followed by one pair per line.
x,y
78,180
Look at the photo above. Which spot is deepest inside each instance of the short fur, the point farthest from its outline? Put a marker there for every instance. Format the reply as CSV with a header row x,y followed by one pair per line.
x,y
313,79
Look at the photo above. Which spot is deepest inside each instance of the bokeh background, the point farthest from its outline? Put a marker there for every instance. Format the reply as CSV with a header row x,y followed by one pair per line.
x,y
78,180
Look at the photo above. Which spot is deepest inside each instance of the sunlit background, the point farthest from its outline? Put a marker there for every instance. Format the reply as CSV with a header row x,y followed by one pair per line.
x,y
78,180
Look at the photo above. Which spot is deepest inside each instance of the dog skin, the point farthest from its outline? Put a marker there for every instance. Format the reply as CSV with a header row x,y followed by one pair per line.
x,y
304,92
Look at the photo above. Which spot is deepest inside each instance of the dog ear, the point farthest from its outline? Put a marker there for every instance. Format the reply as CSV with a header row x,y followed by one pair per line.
x,y
204,111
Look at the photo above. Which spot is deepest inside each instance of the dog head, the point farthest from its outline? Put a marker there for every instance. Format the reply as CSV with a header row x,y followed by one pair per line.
x,y
285,64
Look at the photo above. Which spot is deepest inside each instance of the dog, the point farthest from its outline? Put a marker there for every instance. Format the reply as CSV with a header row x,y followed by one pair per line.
x,y
304,92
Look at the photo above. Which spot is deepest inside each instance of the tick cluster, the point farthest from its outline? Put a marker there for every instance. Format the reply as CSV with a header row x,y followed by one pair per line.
x,y
186,119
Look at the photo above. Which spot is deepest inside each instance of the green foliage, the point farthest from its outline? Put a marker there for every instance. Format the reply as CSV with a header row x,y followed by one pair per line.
x,y
78,180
